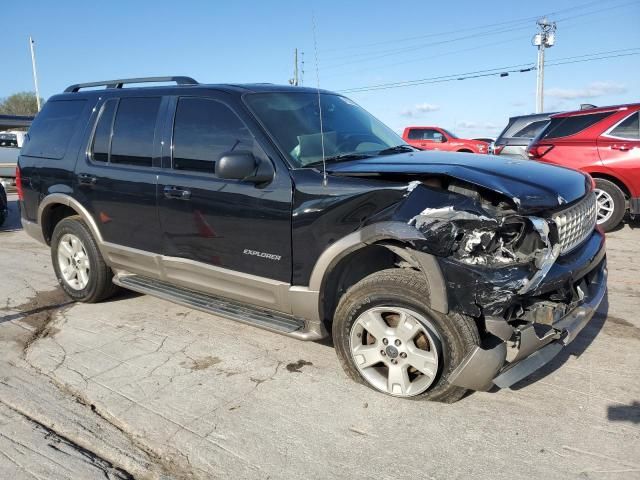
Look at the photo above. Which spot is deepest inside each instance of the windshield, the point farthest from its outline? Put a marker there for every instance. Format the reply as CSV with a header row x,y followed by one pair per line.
x,y
293,120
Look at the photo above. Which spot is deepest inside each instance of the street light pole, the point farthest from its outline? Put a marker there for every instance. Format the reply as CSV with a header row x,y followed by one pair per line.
x,y
540,80
545,38
33,66
295,81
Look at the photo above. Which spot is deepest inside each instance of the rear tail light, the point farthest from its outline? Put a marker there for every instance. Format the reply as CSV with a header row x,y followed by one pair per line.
x,y
497,149
538,151
19,184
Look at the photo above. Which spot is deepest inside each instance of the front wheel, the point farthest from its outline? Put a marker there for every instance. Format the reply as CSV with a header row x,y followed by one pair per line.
x,y
388,338
79,266
611,204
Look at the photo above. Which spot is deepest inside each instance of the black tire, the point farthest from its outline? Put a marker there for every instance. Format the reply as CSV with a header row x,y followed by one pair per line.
x,y
619,203
406,289
100,285
464,151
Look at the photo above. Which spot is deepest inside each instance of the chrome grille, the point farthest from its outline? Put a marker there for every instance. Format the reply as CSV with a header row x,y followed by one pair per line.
x,y
576,223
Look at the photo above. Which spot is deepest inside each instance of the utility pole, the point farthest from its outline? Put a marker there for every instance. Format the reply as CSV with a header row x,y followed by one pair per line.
x,y
545,38
35,75
294,81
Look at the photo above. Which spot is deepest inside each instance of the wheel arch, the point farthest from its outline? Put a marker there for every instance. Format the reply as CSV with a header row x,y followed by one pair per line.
x,y
55,207
613,179
366,251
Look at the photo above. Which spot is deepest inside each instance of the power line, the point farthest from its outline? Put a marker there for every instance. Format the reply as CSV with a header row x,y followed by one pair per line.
x,y
369,56
430,57
479,27
592,59
498,71
387,53
359,69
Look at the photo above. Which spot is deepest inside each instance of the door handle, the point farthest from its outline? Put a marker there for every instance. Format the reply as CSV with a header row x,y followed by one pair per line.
x,y
622,147
177,193
87,179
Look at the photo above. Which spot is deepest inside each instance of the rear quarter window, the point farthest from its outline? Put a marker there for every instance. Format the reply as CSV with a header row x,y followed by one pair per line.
x,y
567,126
53,128
628,128
531,130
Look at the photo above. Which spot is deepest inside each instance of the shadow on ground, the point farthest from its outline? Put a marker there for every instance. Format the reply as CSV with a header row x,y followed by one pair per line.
x,y
624,413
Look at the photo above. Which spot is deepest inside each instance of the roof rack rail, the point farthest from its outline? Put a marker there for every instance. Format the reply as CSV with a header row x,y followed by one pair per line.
x,y
123,81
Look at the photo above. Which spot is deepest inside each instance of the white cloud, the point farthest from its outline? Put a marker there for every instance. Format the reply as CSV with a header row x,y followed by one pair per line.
x,y
464,125
419,108
593,90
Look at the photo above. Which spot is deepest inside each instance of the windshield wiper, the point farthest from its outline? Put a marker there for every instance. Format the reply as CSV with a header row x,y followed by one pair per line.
x,y
397,149
339,158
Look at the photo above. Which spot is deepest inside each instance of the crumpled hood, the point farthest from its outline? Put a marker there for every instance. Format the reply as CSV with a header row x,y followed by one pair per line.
x,y
533,186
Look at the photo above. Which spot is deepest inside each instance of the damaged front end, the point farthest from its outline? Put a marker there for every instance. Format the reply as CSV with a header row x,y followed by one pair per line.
x,y
501,266
486,245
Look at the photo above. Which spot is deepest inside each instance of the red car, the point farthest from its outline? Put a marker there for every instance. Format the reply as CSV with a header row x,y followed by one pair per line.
x,y
436,138
605,143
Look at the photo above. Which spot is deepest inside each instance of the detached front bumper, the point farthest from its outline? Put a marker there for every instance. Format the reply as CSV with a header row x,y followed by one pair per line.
x,y
503,366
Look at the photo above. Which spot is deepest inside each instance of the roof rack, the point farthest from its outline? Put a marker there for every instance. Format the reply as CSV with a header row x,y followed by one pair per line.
x,y
123,81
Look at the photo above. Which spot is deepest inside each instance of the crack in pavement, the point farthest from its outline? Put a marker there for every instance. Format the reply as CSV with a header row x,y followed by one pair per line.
x,y
41,312
110,470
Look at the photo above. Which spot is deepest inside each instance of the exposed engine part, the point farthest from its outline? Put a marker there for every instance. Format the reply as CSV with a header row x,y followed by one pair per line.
x,y
477,239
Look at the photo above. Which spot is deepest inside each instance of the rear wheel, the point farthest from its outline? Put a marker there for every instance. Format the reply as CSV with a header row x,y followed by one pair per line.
x,y
611,204
78,264
388,338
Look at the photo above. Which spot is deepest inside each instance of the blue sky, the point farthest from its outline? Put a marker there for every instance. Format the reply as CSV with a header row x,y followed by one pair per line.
x,y
360,43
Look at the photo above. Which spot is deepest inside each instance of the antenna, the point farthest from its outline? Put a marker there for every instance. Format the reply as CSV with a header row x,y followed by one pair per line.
x,y
315,48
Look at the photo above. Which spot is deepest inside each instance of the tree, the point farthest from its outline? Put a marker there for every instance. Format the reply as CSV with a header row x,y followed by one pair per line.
x,y
22,103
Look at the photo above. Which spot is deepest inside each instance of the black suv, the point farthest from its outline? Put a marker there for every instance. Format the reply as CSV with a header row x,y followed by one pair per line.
x,y
295,210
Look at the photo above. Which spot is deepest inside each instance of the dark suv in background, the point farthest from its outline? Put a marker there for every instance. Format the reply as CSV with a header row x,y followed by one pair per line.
x,y
294,210
516,136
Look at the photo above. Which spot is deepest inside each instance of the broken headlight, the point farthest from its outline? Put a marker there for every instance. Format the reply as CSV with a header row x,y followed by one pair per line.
x,y
515,240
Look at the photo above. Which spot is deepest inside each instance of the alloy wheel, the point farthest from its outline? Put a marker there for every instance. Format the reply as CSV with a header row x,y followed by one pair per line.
x,y
396,350
605,205
73,261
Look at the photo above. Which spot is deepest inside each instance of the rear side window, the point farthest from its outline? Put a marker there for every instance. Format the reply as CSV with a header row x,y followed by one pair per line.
x,y
531,130
566,126
102,135
628,128
53,128
133,131
415,134
425,134
203,131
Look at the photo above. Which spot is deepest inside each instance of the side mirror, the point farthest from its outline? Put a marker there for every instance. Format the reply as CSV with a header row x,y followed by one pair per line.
x,y
242,165
443,139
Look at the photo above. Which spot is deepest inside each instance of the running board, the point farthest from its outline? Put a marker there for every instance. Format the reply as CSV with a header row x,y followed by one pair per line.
x,y
258,317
